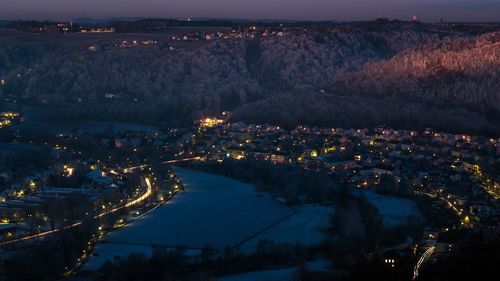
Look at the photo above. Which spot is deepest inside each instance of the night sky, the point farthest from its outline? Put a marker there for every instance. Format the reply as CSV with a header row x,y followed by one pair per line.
x,y
428,10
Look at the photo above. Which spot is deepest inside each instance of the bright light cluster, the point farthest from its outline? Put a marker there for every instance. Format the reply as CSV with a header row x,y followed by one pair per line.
x,y
210,122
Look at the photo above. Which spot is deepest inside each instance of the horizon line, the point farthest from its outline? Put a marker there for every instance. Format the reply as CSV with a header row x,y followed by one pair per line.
x,y
134,18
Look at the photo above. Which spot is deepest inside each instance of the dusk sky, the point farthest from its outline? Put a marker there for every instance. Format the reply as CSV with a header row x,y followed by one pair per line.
x,y
428,10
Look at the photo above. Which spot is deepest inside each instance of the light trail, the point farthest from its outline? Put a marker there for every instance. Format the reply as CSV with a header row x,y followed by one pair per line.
x,y
422,259
41,234
196,158
148,193
450,205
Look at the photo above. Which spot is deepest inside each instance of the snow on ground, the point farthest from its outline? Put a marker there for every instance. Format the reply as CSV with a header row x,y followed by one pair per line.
x,y
89,127
284,274
17,145
213,210
305,226
394,210
102,126
36,119
113,251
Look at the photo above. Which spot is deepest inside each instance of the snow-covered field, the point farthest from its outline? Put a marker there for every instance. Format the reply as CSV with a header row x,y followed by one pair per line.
x,y
213,210
13,146
284,274
88,127
394,210
305,226
36,119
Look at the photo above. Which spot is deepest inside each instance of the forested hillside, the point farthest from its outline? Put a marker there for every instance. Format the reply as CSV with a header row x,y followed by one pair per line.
x,y
452,84
404,75
451,73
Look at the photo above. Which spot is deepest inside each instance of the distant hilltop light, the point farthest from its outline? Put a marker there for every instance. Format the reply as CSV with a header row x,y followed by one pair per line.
x,y
415,18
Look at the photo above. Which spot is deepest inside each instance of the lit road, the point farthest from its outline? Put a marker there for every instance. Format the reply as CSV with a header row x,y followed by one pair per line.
x,y
183,160
130,204
136,201
486,181
425,256
465,220
197,158
148,193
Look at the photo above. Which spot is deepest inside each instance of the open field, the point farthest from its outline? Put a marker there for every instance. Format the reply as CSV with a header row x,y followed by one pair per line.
x,y
213,210
283,274
395,211
88,127
221,212
16,37
305,227
36,119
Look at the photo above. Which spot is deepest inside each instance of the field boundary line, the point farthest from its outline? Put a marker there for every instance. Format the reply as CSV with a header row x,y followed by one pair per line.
x,y
295,211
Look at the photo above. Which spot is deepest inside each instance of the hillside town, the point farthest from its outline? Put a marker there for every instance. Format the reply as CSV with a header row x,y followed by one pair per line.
x,y
459,170
57,181
8,118
49,183
249,141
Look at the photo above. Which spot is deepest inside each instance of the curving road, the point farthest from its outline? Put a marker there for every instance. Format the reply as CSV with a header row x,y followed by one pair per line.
x,y
425,256
148,193
136,201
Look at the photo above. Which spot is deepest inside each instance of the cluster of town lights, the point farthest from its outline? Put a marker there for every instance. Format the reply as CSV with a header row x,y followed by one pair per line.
x,y
210,122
